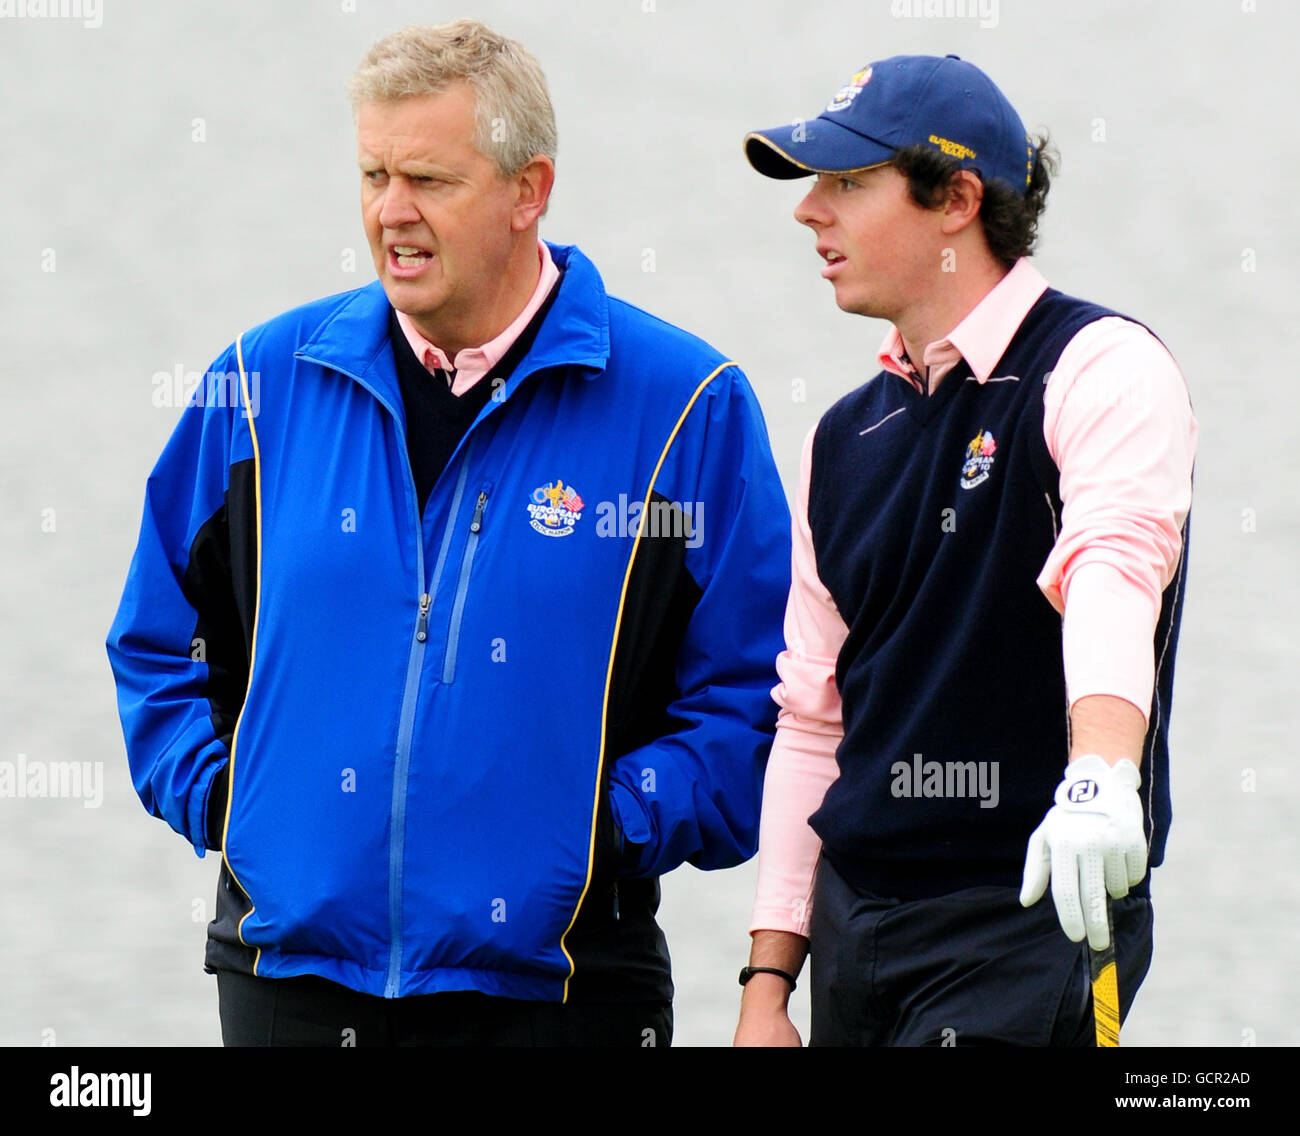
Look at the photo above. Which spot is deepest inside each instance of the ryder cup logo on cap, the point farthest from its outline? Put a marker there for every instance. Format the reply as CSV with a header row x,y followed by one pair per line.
x,y
846,93
895,103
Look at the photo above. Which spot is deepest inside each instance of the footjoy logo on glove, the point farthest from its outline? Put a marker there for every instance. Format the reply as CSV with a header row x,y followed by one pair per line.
x,y
979,459
555,509
1082,791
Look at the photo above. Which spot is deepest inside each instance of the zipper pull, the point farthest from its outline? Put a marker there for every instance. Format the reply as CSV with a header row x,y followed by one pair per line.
x,y
422,627
616,915
477,522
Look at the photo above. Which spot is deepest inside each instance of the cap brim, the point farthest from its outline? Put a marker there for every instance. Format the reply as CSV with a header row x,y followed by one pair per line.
x,y
816,146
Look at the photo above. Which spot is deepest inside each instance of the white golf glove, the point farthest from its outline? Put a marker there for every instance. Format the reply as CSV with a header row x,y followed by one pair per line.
x,y
1091,842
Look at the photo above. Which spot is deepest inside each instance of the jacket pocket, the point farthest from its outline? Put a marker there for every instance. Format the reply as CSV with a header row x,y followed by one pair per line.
x,y
608,858
462,586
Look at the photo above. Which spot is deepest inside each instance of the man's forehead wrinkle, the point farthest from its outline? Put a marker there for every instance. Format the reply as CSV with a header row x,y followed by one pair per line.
x,y
406,154
396,158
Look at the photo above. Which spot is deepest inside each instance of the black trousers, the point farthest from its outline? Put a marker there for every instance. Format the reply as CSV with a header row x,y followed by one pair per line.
x,y
311,1011
969,968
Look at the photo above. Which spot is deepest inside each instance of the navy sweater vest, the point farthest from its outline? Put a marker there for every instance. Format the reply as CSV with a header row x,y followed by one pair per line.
x,y
931,518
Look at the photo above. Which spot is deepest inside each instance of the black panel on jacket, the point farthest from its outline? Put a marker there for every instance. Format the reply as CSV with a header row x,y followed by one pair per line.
x,y
224,950
619,952
220,583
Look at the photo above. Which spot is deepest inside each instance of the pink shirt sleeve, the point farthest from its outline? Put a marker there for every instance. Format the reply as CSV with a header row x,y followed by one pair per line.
x,y
808,731
1119,425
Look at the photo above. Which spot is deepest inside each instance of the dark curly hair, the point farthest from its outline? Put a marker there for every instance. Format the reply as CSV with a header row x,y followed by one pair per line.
x,y
1010,221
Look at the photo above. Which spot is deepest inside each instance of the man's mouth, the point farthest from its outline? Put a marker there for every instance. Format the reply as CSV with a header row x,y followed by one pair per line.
x,y
408,262
833,260
410,256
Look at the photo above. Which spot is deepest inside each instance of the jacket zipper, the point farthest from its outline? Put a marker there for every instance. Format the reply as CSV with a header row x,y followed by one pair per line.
x,y
415,659
462,587
422,624
406,727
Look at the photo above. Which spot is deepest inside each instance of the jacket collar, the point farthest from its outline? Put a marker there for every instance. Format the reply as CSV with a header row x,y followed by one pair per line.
x,y
354,338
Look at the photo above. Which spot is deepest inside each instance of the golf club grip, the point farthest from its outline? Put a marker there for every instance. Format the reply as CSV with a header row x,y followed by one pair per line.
x,y
1105,989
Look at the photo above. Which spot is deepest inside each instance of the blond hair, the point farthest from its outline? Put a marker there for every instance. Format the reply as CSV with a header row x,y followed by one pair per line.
x,y
513,118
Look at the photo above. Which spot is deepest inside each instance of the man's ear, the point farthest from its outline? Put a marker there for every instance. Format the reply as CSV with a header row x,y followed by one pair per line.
x,y
962,200
533,190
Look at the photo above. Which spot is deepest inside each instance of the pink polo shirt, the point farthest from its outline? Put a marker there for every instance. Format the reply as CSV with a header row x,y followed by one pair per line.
x,y
1118,424
472,363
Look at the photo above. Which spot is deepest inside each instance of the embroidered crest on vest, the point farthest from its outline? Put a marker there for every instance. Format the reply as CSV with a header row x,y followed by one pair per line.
x,y
979,459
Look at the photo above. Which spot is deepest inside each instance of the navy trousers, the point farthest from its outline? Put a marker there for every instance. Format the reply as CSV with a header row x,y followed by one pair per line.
x,y
969,968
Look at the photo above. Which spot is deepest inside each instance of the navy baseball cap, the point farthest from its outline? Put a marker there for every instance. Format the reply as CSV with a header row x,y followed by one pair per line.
x,y
944,102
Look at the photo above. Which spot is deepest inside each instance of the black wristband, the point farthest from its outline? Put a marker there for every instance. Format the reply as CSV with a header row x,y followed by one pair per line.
x,y
748,972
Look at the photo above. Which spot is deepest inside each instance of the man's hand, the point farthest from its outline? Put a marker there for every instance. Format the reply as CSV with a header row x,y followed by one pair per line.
x,y
764,1014
764,1006
1091,842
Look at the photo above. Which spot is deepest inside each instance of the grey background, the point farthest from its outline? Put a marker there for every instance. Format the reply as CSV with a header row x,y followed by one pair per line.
x,y
166,247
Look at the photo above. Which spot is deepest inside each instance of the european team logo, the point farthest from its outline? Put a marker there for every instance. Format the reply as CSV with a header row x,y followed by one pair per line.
x,y
979,459
555,509
847,93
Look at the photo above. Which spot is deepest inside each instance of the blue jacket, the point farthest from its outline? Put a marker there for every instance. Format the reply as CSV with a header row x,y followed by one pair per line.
x,y
433,749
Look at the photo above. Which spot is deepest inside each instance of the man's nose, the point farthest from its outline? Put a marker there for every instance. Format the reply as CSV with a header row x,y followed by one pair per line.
x,y
398,207
812,209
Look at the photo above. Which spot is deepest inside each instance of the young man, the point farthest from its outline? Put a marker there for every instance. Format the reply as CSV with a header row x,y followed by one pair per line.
x,y
988,570
455,629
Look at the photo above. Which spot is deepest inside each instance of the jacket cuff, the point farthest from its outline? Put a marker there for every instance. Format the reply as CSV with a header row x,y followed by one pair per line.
x,y
210,817
634,822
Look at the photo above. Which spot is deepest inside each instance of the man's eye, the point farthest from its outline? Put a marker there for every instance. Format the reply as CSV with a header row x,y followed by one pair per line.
x,y
372,175
846,183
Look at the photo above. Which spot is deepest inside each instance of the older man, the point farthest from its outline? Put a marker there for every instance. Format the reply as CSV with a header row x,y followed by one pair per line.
x,y
463,636
989,558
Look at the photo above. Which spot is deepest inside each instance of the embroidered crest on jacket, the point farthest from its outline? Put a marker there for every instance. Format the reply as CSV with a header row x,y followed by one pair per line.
x,y
555,509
